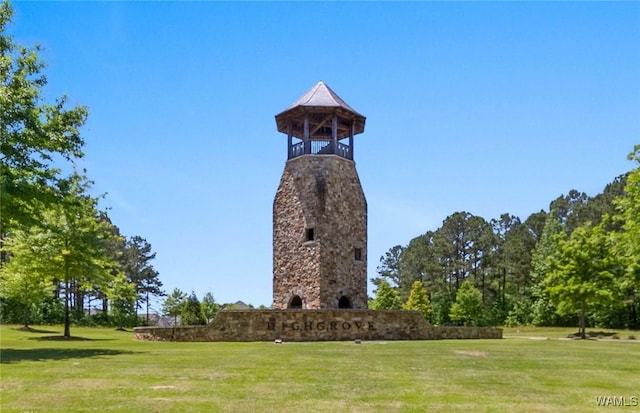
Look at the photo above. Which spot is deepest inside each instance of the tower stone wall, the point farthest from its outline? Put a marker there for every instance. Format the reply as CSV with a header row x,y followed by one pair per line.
x,y
320,235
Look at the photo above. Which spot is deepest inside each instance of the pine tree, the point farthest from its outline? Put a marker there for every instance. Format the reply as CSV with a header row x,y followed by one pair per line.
x,y
136,263
172,305
191,314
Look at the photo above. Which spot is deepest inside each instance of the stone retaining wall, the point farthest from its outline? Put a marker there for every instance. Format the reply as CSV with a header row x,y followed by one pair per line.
x,y
315,325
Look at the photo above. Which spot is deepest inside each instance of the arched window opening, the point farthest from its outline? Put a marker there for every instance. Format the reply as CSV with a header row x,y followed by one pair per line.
x,y
344,302
296,302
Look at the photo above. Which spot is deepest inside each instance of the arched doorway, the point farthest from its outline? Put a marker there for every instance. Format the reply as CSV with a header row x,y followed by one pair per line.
x,y
344,302
296,302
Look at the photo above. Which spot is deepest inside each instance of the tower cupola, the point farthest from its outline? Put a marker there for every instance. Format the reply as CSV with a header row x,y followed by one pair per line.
x,y
320,123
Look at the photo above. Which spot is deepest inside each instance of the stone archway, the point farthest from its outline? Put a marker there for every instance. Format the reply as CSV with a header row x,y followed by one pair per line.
x,y
296,302
344,302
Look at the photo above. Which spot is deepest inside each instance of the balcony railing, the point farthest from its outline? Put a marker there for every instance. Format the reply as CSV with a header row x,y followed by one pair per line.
x,y
320,147
297,149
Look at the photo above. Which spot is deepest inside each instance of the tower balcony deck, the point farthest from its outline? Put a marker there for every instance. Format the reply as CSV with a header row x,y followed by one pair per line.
x,y
320,147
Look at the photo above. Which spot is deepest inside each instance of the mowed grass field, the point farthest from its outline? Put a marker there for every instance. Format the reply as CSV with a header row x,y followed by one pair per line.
x,y
530,370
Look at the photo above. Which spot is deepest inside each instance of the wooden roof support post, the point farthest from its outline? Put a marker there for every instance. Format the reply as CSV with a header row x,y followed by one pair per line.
x,y
334,133
351,133
289,139
307,141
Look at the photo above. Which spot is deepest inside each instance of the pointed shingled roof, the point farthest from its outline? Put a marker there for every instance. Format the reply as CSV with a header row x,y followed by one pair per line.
x,y
321,98
321,95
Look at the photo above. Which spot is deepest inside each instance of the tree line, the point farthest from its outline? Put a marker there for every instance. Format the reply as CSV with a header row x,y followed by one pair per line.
x,y
576,264
60,254
187,310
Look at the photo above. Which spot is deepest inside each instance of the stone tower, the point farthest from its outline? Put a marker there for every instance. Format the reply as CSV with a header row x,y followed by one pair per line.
x,y
319,211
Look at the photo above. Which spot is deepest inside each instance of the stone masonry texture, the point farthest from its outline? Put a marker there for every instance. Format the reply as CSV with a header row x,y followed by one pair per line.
x,y
315,325
320,193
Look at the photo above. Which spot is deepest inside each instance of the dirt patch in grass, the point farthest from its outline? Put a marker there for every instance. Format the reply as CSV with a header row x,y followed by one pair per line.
x,y
530,337
471,353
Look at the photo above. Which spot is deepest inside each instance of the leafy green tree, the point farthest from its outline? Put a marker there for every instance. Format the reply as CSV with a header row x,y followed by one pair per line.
x,y
22,278
122,295
583,275
73,253
209,307
418,300
387,297
172,305
441,301
33,134
113,248
78,235
627,241
192,312
467,309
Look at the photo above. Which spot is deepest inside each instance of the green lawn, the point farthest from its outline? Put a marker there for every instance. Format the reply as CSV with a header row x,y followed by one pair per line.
x,y
112,372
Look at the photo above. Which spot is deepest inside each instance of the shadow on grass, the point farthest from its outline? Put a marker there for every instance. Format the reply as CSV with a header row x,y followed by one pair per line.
x,y
72,338
35,330
593,334
601,333
13,355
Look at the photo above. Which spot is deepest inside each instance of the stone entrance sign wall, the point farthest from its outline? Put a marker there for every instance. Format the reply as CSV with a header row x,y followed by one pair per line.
x,y
315,325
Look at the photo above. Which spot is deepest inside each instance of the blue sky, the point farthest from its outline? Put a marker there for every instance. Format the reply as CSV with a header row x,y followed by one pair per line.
x,y
480,107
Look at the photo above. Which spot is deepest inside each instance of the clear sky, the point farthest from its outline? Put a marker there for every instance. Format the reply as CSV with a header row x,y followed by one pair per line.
x,y
480,107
